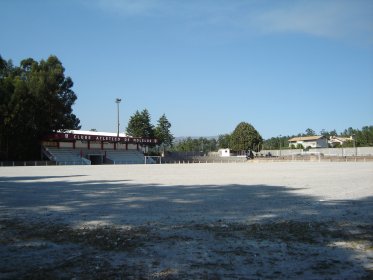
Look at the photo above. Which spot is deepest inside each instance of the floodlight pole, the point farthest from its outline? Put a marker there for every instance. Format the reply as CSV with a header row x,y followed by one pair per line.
x,y
118,100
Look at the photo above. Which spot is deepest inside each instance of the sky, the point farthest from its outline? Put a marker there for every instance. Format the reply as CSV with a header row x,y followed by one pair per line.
x,y
282,66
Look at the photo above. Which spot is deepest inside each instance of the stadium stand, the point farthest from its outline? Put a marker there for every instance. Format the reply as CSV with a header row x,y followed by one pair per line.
x,y
66,156
92,147
125,157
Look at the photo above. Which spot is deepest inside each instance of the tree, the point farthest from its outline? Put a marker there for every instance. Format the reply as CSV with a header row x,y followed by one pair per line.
x,y
310,132
245,137
185,145
35,99
327,134
272,143
224,141
365,136
162,132
139,125
201,144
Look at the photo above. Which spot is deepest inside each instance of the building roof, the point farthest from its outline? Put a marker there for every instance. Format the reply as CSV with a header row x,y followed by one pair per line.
x,y
341,138
93,133
73,135
306,138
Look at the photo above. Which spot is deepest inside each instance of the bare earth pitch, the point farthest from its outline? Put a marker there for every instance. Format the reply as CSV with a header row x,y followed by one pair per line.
x,y
193,221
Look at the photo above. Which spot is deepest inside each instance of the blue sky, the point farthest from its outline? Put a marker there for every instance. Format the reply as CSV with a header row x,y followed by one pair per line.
x,y
283,66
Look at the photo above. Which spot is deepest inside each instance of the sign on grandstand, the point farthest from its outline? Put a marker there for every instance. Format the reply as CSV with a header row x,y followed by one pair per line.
x,y
88,137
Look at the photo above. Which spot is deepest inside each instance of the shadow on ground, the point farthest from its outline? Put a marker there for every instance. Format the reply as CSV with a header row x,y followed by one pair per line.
x,y
119,229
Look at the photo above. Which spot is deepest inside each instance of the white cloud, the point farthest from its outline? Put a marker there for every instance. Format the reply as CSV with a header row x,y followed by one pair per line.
x,y
338,19
326,18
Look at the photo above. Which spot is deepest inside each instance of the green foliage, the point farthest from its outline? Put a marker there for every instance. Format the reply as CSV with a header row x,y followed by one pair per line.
x,y
201,144
310,132
299,146
328,134
224,141
35,99
162,132
245,137
244,133
139,125
362,138
275,143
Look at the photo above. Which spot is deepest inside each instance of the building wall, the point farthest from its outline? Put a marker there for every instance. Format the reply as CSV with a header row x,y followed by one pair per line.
x,y
224,153
66,145
93,145
322,143
360,151
81,145
109,146
319,143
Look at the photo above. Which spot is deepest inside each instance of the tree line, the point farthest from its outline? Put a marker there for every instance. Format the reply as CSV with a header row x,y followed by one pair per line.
x,y
139,125
35,99
363,138
243,138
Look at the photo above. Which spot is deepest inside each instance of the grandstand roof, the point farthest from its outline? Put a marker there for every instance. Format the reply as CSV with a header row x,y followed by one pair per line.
x,y
94,133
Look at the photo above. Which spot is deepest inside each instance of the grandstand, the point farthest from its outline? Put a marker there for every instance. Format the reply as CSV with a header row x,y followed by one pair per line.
x,y
77,147
125,157
65,156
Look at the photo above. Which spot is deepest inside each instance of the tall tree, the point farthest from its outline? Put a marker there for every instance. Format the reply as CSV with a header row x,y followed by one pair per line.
x,y
35,99
163,133
140,125
245,137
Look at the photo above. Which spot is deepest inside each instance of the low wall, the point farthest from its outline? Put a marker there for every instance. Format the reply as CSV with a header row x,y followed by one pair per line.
x,y
359,151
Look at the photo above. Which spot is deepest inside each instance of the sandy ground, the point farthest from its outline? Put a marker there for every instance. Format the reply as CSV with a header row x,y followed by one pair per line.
x,y
281,220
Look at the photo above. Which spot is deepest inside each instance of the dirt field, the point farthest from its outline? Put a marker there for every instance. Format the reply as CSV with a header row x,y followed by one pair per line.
x,y
281,220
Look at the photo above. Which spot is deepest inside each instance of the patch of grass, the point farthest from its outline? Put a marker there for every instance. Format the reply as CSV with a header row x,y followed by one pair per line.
x,y
104,238
286,231
293,231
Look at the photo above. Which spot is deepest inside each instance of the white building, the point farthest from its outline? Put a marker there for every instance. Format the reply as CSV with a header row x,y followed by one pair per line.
x,y
309,141
224,152
337,140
